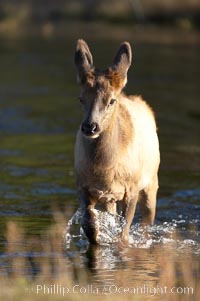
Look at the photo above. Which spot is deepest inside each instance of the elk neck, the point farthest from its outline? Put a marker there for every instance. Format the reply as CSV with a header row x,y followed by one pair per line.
x,y
104,151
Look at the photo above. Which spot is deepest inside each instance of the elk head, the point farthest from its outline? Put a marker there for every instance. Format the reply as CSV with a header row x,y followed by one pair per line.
x,y
100,89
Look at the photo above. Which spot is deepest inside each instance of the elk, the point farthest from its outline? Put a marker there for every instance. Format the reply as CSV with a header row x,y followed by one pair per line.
x,y
117,149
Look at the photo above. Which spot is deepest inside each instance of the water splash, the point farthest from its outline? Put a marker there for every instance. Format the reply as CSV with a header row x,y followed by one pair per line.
x,y
74,230
110,226
173,234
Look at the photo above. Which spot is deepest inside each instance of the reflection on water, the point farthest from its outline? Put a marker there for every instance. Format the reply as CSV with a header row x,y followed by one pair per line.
x,y
39,115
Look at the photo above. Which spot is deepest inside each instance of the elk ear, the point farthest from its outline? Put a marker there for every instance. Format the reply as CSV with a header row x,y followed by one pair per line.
x,y
83,60
122,62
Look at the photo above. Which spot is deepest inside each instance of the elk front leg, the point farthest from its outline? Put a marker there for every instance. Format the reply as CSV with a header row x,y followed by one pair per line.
x,y
148,202
89,223
129,214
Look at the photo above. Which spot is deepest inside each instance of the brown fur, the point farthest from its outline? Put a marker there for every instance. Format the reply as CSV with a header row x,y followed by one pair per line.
x,y
119,161
116,81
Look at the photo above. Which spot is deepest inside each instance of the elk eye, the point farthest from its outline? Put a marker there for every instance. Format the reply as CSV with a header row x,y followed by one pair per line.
x,y
112,101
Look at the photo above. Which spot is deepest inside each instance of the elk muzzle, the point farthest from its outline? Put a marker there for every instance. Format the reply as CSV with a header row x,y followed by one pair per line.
x,y
90,129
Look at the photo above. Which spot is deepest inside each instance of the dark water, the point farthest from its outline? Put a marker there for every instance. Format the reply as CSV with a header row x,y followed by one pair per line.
x,y
39,115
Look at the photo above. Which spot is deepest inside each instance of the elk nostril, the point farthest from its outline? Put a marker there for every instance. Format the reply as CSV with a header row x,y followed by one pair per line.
x,y
94,128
